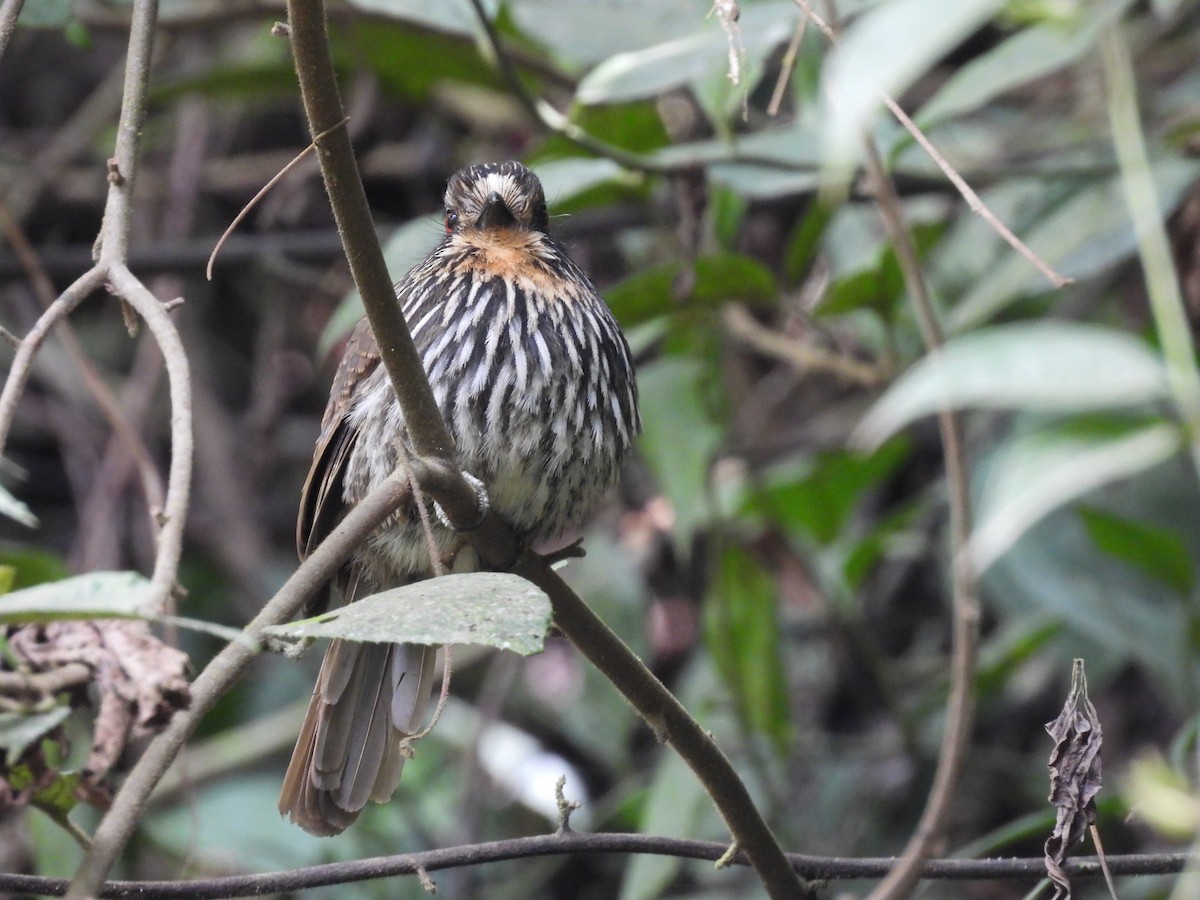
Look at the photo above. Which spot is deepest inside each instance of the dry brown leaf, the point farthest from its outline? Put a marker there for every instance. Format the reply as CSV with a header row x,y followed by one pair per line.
x,y
137,681
1074,777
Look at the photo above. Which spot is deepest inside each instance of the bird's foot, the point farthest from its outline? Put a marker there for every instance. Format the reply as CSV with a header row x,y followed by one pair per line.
x,y
482,504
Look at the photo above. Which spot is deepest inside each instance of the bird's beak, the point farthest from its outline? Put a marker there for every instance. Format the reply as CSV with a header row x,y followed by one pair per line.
x,y
495,213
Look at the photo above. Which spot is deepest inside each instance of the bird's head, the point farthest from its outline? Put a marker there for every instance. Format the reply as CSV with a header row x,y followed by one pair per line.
x,y
495,198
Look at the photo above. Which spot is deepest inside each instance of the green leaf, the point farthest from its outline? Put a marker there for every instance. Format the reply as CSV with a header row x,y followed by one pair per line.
x,y
884,51
46,14
1158,552
59,797
407,246
449,16
567,178
19,730
688,59
1163,798
881,287
33,566
1003,654
13,508
1022,58
388,48
720,278
679,438
583,33
492,609
1032,475
742,632
1045,366
1084,234
819,498
96,595
804,243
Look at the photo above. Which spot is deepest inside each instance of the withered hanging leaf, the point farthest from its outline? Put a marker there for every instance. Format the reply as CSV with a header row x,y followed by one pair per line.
x,y
1074,777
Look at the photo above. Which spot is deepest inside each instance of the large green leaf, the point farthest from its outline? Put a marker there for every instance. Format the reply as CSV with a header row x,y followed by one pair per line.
x,y
583,32
691,58
96,595
742,632
1046,366
884,51
13,508
407,246
721,278
1086,233
818,496
679,438
1027,55
1032,475
492,609
450,16
1158,552
566,178
19,730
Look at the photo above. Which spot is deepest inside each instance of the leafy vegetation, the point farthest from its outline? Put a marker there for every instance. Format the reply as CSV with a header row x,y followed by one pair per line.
x,y
780,551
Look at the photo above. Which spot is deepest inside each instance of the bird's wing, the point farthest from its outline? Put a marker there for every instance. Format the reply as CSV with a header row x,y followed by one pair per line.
x,y
321,498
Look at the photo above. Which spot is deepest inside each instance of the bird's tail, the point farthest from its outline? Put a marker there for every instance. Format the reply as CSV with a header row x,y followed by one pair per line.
x,y
368,698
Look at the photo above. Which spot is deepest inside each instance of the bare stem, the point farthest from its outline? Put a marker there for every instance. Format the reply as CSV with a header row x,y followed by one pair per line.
x,y
9,11
433,451
825,868
960,704
22,365
179,478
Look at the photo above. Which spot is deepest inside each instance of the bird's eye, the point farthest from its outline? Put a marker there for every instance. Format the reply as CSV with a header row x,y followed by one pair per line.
x,y
451,220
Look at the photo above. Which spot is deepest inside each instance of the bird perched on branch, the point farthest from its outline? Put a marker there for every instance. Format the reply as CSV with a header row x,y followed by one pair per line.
x,y
536,385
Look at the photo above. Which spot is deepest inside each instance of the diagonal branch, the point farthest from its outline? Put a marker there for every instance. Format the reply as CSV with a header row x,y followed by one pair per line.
x,y
495,540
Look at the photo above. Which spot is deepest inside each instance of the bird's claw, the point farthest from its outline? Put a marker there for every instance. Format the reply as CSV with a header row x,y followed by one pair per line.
x,y
482,504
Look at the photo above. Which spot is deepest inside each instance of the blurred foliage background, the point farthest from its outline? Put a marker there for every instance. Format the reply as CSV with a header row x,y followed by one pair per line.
x,y
787,575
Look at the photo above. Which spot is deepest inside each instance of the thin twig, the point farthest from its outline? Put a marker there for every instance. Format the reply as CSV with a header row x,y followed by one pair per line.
x,y
960,703
40,685
806,357
179,477
22,364
1108,876
973,199
101,393
275,179
9,11
295,880
786,67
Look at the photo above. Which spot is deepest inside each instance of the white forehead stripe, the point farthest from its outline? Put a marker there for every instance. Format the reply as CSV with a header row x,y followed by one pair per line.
x,y
498,183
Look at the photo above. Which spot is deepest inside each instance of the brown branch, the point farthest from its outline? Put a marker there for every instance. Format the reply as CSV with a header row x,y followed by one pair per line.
x,y
179,477
569,843
804,357
433,466
22,364
9,11
960,704
39,685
